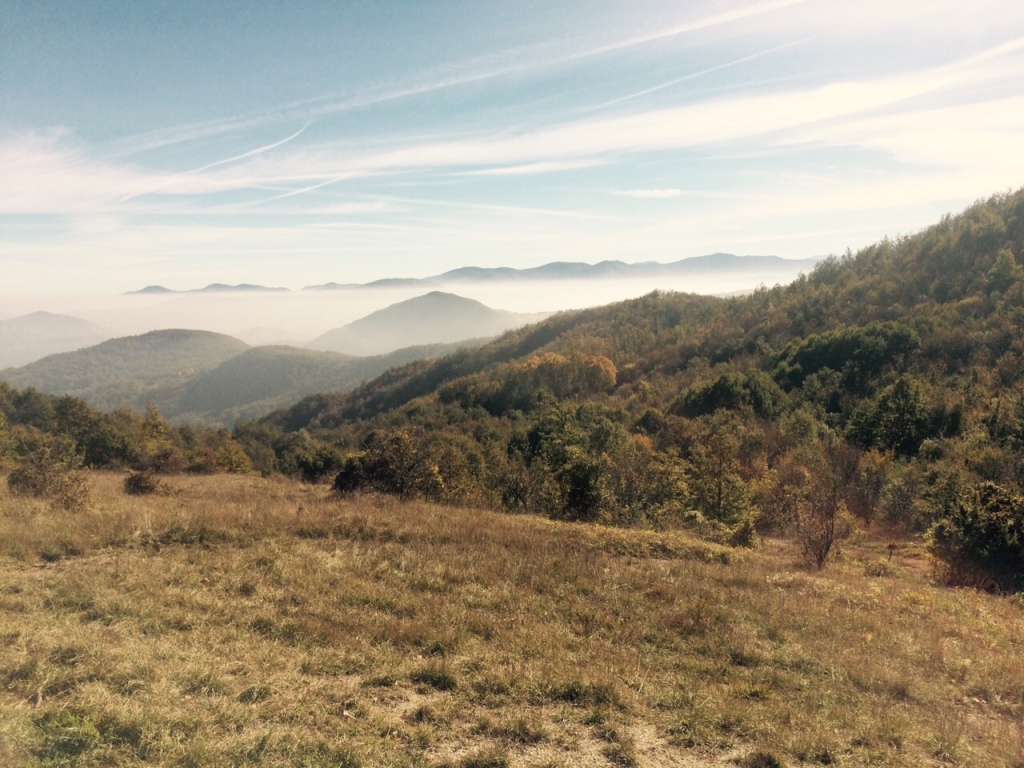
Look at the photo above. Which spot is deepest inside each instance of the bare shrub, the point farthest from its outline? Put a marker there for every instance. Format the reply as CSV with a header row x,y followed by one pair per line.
x,y
72,491
824,520
50,468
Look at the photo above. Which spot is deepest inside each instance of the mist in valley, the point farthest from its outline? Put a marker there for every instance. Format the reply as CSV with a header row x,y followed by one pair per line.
x,y
296,317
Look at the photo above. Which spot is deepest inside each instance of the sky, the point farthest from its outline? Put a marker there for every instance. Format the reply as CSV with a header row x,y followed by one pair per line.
x,y
292,144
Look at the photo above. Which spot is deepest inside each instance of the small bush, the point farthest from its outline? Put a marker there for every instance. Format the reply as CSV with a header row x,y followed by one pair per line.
x,y
821,528
143,483
979,537
744,533
26,480
319,464
392,462
878,568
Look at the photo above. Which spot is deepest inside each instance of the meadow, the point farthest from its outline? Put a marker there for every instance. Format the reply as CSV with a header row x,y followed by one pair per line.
x,y
236,620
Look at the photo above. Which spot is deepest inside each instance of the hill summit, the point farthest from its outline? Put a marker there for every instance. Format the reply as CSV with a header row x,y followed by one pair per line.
x,y
434,318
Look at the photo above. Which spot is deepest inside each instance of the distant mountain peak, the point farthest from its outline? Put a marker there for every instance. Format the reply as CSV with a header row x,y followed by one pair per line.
x,y
150,289
211,288
433,318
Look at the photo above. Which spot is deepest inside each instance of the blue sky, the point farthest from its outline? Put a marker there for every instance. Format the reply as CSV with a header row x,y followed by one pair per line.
x,y
297,143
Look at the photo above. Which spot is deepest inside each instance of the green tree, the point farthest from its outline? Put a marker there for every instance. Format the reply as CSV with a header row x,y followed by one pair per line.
x,y
717,489
896,419
980,536
322,462
391,462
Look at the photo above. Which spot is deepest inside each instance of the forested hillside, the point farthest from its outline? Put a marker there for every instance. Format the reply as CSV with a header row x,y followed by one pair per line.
x,y
884,385
127,370
261,379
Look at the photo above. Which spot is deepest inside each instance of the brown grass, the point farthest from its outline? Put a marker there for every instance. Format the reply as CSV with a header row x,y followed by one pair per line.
x,y
240,621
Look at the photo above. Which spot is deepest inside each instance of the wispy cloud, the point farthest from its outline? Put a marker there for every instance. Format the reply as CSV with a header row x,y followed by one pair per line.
x,y
654,194
702,124
810,163
48,174
695,25
695,75
529,169
503,64
226,161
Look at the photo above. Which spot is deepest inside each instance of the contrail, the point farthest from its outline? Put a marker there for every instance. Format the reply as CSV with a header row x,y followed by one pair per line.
x,y
250,153
304,190
695,75
208,166
711,21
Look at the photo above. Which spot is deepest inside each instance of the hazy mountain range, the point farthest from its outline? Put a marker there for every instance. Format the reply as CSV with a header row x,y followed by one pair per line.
x,y
218,378
215,378
205,377
211,288
30,337
769,266
125,371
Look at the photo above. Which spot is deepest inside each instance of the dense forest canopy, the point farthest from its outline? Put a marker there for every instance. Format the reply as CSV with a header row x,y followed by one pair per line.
x,y
882,388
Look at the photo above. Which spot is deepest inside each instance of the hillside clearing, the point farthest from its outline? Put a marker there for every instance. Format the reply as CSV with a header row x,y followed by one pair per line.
x,y
246,621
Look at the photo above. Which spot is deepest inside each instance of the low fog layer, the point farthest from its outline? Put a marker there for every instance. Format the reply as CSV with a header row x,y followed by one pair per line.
x,y
298,317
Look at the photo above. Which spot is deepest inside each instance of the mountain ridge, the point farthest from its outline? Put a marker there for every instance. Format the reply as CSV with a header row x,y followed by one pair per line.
x,y
555,270
119,371
580,270
204,377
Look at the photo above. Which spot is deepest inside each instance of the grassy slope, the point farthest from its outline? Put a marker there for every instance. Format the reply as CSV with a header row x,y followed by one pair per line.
x,y
243,621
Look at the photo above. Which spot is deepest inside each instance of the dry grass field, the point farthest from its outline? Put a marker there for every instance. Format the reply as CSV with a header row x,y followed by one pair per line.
x,y
241,621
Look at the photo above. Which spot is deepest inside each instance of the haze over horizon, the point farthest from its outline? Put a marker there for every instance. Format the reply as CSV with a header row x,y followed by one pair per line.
x,y
297,317
181,143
